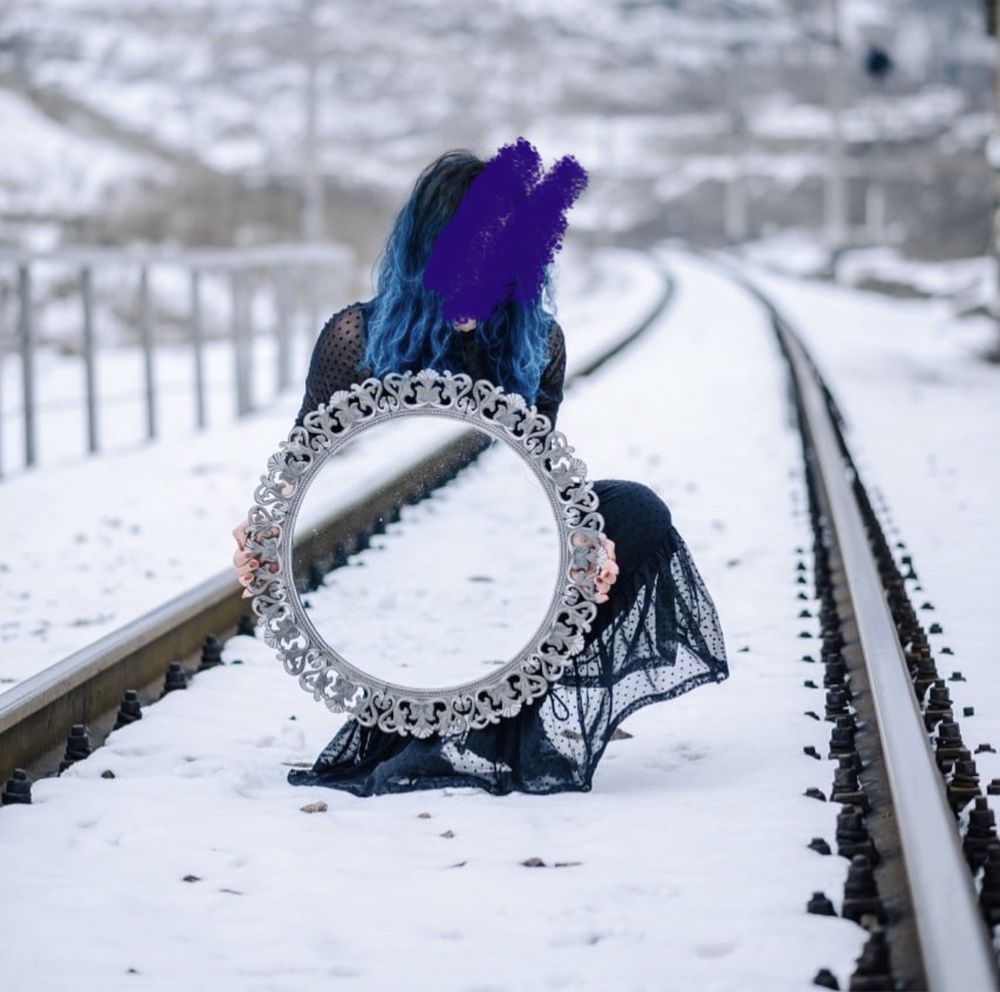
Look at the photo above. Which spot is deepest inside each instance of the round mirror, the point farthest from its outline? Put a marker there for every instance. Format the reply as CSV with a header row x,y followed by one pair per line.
x,y
428,549
458,579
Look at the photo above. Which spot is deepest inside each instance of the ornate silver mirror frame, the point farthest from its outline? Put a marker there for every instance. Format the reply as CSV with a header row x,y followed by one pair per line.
x,y
331,678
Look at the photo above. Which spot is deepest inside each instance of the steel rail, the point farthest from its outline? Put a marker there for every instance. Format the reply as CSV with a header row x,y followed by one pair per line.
x,y
36,714
955,945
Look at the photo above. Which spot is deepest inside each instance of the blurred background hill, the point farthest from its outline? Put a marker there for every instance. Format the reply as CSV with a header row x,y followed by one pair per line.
x,y
188,121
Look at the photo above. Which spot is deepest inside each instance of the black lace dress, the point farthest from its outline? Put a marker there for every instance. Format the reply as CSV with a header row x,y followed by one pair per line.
x,y
657,636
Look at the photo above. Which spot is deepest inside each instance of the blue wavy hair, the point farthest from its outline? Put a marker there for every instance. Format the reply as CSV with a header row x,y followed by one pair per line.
x,y
407,330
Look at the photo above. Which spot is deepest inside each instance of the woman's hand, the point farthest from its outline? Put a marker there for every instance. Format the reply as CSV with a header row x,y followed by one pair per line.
x,y
606,574
244,561
609,572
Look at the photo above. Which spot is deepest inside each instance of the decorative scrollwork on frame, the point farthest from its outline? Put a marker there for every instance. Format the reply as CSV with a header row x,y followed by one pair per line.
x,y
331,678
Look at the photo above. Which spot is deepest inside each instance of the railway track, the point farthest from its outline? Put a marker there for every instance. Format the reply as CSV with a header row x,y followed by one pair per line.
x,y
63,712
923,861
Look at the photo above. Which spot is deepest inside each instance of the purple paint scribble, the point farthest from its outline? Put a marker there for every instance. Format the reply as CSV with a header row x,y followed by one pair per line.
x,y
507,228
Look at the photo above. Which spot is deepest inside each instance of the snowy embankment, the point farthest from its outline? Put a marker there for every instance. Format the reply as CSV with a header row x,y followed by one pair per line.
x,y
923,416
687,866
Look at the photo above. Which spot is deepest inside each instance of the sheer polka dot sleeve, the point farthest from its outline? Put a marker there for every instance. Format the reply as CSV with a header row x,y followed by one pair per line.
x,y
335,358
550,388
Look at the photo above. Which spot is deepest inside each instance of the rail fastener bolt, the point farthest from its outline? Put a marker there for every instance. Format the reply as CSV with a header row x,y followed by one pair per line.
x,y
939,705
315,578
17,789
211,653
842,737
948,743
861,897
837,701
826,979
835,674
77,746
820,905
847,789
872,973
129,711
963,786
853,836
175,678
981,833
247,626
989,894
834,641
363,539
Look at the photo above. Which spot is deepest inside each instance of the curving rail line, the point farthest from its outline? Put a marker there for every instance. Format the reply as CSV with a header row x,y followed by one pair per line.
x,y
79,697
920,902
910,881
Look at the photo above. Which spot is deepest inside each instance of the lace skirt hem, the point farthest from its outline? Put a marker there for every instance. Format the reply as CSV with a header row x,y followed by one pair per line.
x,y
657,637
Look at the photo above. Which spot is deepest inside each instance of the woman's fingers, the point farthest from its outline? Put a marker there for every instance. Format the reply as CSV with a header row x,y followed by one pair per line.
x,y
608,575
240,532
244,561
245,572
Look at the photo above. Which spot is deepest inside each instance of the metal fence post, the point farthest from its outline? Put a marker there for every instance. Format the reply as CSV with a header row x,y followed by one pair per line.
x,y
312,276
241,340
90,379
27,360
146,330
249,290
282,327
3,356
198,343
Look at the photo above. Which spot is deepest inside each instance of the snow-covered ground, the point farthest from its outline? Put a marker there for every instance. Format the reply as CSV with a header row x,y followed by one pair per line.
x,y
969,283
686,866
923,418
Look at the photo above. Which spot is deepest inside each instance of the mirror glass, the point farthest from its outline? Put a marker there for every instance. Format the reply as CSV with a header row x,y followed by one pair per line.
x,y
456,586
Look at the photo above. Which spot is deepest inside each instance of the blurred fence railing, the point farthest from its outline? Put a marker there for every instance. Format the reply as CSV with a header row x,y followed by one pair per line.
x,y
302,279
